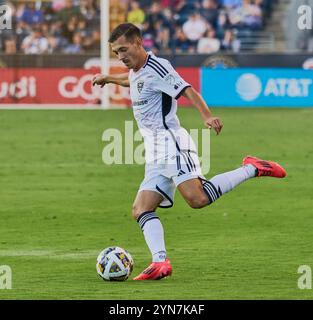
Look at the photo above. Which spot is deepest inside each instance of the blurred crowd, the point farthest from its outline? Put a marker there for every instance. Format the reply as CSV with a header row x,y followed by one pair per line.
x,y
197,26
56,26
180,26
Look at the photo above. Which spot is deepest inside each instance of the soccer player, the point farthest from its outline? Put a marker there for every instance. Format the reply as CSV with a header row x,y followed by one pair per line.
x,y
171,156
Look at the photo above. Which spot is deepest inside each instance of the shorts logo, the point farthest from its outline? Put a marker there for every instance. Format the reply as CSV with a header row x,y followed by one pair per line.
x,y
140,84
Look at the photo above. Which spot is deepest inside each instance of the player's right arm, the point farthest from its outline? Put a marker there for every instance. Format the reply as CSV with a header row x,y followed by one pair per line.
x,y
119,79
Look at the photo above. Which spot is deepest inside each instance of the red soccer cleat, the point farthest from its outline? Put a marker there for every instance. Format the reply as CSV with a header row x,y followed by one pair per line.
x,y
265,167
156,271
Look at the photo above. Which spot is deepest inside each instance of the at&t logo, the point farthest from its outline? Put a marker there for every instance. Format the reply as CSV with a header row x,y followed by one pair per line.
x,y
250,87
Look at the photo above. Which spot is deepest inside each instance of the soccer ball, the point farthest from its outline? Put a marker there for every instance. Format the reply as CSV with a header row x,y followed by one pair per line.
x,y
114,264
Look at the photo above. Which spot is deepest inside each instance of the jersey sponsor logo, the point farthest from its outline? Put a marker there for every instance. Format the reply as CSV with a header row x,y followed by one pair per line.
x,y
140,103
140,84
170,79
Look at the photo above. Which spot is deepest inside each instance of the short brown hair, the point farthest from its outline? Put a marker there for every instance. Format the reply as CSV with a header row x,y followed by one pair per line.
x,y
129,30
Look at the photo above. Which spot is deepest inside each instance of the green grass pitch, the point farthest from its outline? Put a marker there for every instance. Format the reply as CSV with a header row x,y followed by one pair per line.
x,y
60,205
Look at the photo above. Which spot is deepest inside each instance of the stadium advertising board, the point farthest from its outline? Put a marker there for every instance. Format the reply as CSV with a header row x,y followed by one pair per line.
x,y
68,87
257,87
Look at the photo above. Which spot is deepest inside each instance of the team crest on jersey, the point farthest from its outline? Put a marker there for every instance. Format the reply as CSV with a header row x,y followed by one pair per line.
x,y
140,85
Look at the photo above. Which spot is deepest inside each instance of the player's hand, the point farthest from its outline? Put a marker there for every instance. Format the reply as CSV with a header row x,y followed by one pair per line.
x,y
215,123
99,80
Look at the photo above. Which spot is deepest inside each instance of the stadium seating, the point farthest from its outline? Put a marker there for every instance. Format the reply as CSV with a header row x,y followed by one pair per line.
x,y
168,26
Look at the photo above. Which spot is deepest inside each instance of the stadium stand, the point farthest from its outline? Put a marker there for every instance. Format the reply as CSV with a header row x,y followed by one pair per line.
x,y
168,26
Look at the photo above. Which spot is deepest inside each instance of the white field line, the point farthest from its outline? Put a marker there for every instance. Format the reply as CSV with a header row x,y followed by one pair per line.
x,y
50,165
49,254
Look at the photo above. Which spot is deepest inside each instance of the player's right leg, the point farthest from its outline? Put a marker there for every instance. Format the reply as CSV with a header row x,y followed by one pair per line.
x,y
144,208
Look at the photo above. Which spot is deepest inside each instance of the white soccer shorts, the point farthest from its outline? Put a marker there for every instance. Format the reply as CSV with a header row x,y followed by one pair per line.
x,y
164,178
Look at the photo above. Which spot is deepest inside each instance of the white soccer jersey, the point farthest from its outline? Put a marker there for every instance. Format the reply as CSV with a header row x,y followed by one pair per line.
x,y
154,90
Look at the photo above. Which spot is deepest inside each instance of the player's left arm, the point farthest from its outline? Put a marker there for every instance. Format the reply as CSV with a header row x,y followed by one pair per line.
x,y
197,100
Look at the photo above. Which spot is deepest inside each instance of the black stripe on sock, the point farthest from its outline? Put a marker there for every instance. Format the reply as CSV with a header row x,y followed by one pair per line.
x,y
210,192
152,218
208,195
214,188
145,217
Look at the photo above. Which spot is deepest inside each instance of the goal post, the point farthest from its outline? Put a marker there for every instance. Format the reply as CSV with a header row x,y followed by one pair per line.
x,y
105,49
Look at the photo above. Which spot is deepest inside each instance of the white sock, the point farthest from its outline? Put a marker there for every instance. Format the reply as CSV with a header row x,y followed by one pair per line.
x,y
153,232
227,181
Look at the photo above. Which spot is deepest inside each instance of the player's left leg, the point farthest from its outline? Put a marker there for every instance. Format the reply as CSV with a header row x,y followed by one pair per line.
x,y
200,192
193,192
